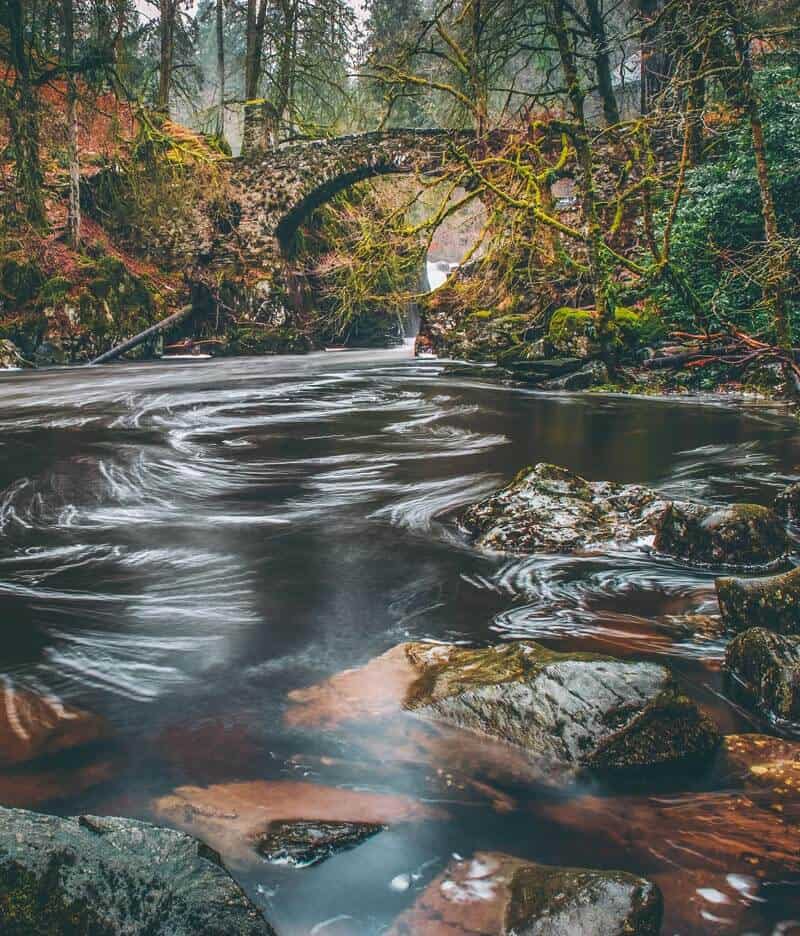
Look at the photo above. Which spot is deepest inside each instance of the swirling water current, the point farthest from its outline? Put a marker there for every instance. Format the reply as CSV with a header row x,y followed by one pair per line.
x,y
181,545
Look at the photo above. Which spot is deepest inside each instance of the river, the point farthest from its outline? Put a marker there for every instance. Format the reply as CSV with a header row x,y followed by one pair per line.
x,y
181,545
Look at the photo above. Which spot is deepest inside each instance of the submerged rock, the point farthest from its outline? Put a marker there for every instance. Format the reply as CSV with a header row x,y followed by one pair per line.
x,y
772,602
237,818
787,503
498,895
301,843
114,877
740,535
768,666
550,509
579,710
34,726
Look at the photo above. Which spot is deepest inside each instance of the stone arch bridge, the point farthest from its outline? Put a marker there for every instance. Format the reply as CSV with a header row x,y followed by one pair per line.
x,y
274,191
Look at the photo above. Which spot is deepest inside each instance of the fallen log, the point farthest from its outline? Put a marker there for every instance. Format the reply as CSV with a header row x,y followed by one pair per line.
x,y
164,325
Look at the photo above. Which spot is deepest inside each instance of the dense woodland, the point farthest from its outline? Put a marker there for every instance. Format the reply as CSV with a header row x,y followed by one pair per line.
x,y
633,165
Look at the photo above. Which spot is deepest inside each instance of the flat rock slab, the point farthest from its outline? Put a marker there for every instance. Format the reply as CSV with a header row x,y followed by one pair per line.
x,y
550,509
768,666
34,726
115,877
498,895
301,843
578,710
236,818
772,602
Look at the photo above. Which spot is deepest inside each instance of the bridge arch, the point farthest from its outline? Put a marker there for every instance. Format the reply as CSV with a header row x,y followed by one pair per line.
x,y
280,188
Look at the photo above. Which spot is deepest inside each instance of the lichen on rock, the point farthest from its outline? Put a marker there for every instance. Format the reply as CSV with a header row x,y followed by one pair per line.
x,y
737,536
768,666
493,894
114,877
576,710
772,602
550,509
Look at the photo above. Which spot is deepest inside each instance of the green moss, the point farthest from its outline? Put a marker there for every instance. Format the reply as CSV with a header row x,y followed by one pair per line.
x,y
669,726
482,314
567,323
20,279
638,328
538,891
54,290
466,669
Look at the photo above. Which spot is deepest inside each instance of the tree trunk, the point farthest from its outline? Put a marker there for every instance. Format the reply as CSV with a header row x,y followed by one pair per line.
x,y
221,68
74,209
585,179
602,62
167,43
254,114
774,291
23,121
656,63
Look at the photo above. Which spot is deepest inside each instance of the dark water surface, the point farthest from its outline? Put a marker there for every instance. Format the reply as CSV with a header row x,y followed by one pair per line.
x,y
182,545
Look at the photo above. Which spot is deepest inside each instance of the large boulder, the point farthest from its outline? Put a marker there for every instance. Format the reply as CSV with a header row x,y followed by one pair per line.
x,y
577,710
92,876
772,602
550,509
768,666
787,503
498,895
740,535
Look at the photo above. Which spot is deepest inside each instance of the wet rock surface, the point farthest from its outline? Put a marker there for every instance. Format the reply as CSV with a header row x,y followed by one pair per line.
x,y
580,710
114,877
301,843
550,509
34,726
787,503
237,818
740,535
772,602
592,375
768,666
498,895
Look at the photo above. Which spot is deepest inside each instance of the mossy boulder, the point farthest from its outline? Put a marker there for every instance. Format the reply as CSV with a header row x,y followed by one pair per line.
x,y
772,602
638,327
787,503
572,331
768,666
94,876
745,536
498,895
549,509
574,710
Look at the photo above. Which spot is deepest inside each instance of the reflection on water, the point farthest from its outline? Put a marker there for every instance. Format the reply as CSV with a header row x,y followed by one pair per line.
x,y
182,546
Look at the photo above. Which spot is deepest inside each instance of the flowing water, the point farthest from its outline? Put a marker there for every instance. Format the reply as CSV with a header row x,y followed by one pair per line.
x,y
183,545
